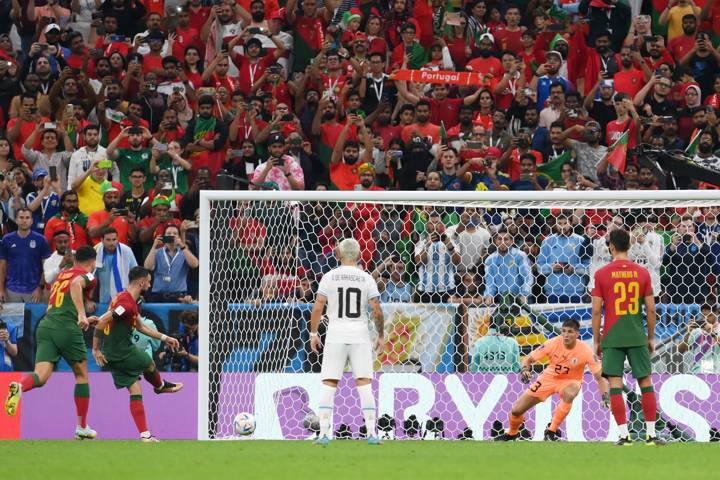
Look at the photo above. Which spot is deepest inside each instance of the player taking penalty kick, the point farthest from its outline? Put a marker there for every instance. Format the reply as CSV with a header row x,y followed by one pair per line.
x,y
119,353
619,288
60,334
346,291
564,375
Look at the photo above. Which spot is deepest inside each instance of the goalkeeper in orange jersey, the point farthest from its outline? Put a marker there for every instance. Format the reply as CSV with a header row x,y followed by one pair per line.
x,y
567,357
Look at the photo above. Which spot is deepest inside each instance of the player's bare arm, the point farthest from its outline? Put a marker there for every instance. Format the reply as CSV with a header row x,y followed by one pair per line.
x,y
651,315
96,344
315,316
77,294
597,303
379,320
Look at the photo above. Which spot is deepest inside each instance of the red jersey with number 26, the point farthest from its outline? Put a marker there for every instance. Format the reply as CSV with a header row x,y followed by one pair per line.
x,y
623,285
61,308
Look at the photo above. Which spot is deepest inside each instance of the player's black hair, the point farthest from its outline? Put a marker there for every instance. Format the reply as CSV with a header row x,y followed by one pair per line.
x,y
85,254
572,323
61,232
620,239
137,273
107,231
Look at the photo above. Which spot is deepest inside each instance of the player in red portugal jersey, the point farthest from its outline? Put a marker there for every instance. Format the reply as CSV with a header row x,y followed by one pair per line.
x,y
124,359
60,334
620,288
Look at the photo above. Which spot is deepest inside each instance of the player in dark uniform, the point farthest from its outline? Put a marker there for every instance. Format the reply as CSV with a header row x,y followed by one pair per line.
x,y
125,361
60,334
620,288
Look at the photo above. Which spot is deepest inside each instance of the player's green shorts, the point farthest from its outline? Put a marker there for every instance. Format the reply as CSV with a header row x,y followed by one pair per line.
x,y
53,343
126,371
613,361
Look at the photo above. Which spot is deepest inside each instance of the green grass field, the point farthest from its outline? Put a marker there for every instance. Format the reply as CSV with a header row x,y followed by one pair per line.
x,y
50,460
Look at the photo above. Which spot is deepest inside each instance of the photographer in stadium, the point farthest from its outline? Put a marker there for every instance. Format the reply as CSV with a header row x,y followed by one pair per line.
x,y
185,359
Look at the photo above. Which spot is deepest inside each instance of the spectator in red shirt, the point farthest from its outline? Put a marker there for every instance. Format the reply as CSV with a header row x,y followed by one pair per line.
x,y
112,40
70,219
509,36
486,64
112,216
628,79
443,110
627,121
198,14
251,66
344,173
21,127
422,126
185,34
682,44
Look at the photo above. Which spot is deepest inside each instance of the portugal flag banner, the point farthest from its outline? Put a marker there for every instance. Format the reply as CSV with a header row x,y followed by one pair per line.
x,y
440,76
692,146
618,153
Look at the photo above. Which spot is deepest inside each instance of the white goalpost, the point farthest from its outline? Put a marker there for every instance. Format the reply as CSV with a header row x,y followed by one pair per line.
x,y
525,264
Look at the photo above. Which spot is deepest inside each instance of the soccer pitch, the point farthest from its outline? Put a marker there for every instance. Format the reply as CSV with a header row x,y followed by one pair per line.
x,y
348,459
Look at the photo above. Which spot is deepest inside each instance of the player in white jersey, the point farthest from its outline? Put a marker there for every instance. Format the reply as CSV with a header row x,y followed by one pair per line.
x,y
347,291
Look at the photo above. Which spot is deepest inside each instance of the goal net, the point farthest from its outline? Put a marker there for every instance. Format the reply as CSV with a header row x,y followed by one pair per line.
x,y
459,274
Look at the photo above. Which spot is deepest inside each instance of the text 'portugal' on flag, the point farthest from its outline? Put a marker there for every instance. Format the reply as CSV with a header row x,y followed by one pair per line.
x,y
618,153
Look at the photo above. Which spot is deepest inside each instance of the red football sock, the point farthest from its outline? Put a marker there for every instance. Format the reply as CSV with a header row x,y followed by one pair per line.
x,y
153,378
617,406
137,409
649,404
82,402
515,423
561,412
29,382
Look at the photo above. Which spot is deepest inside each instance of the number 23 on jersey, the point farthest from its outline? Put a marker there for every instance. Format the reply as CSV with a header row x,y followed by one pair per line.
x,y
627,298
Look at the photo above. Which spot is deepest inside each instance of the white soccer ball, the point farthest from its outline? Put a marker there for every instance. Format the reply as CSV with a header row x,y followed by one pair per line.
x,y
244,423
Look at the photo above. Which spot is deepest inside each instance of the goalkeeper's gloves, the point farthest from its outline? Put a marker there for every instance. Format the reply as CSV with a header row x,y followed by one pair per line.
x,y
606,400
525,375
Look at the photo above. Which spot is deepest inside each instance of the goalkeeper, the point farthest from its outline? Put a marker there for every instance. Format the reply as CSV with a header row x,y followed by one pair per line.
x,y
564,375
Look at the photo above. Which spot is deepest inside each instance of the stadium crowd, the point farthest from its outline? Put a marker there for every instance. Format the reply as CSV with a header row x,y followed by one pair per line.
x,y
115,114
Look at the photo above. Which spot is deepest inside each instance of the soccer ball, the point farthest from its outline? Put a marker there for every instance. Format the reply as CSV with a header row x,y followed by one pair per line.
x,y
312,422
244,423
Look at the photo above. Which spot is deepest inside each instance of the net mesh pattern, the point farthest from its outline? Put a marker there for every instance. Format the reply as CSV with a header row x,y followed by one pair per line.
x,y
468,289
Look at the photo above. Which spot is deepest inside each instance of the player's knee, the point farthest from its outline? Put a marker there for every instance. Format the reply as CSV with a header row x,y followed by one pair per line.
x,y
570,392
331,382
363,381
645,382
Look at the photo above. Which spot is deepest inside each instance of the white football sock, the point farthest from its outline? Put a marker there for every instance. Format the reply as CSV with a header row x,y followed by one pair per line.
x,y
650,427
623,430
367,403
327,400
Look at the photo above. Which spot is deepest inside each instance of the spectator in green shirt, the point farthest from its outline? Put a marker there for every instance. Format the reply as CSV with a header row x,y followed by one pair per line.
x,y
135,156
